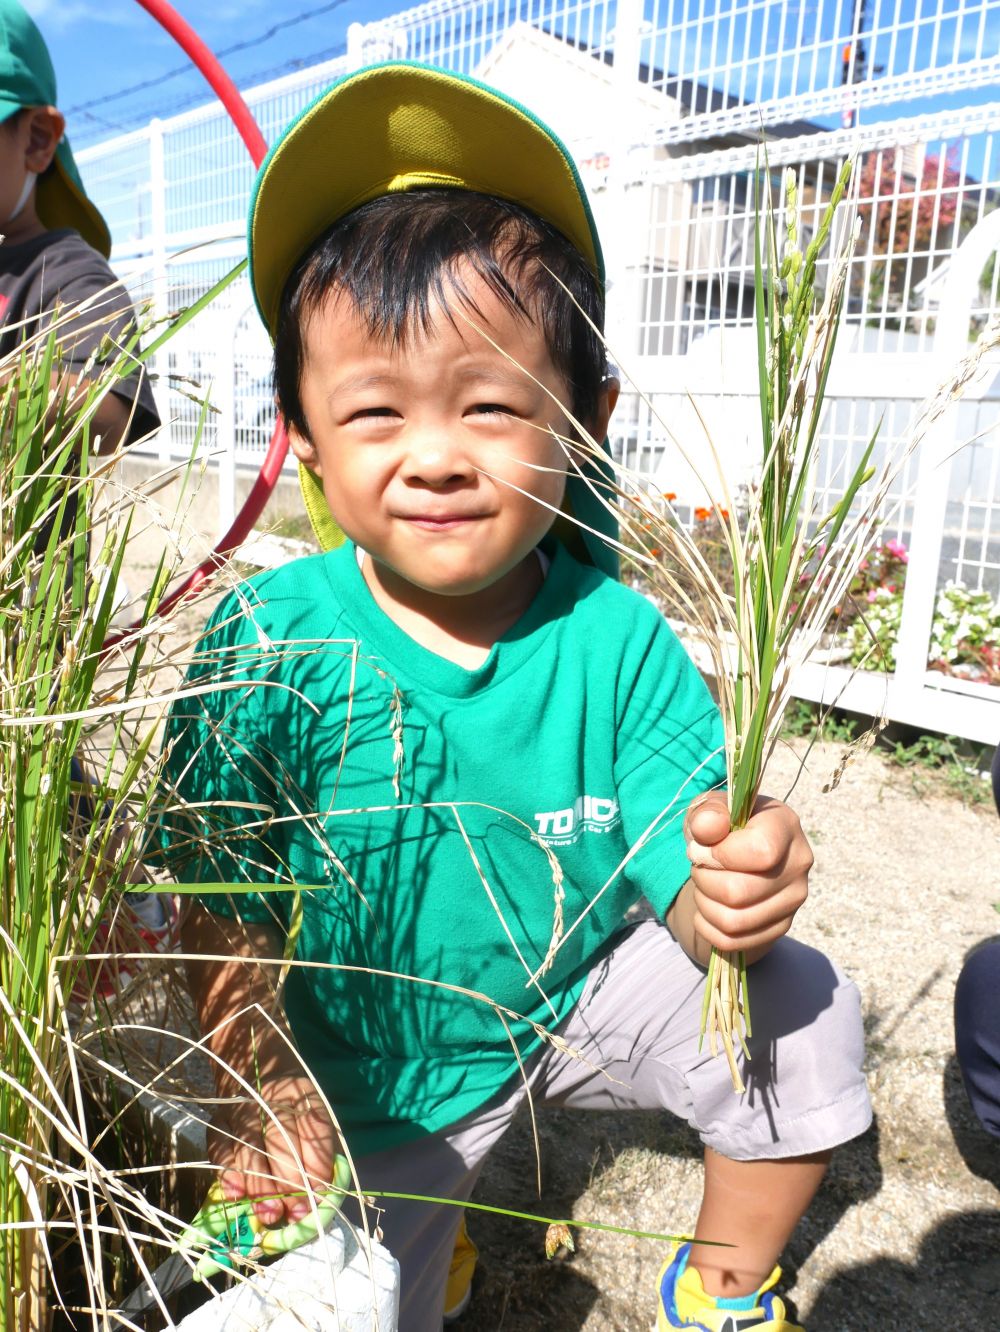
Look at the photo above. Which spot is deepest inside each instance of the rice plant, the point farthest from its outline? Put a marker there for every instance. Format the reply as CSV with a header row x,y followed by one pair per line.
x,y
77,771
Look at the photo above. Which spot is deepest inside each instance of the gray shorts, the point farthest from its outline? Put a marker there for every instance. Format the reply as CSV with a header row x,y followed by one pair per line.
x,y
638,1020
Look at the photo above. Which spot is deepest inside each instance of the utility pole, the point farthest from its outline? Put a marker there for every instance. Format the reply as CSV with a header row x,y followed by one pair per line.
x,y
854,61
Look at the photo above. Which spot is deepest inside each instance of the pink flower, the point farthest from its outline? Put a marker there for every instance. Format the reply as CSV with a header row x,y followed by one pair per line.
x,y
897,549
872,595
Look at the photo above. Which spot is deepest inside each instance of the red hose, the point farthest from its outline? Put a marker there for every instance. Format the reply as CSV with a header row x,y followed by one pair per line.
x,y
249,131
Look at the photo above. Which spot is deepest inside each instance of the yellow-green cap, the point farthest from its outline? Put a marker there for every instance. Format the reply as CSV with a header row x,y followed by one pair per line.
x,y
403,126
28,79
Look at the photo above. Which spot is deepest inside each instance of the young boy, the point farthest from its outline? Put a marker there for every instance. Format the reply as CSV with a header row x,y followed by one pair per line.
x,y
55,242
483,747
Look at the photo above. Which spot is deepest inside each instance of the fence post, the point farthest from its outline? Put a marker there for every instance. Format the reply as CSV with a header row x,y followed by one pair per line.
x,y
623,243
355,46
161,290
224,396
628,41
930,507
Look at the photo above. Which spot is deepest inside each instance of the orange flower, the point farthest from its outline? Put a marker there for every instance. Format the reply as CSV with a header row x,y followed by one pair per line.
x,y
656,552
669,496
723,514
702,514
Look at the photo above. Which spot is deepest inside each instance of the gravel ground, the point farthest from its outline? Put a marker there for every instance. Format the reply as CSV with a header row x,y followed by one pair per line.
x,y
905,1232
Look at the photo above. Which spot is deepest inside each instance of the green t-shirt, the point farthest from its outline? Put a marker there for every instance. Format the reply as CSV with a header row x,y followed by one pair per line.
x,y
438,806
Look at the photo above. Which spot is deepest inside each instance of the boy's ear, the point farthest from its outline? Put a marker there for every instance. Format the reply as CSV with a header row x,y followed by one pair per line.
x,y
303,448
45,130
606,400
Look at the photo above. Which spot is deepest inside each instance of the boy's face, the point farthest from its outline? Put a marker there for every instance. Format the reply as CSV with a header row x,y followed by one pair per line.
x,y
437,458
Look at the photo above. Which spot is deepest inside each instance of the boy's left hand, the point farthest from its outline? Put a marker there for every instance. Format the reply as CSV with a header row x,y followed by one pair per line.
x,y
748,883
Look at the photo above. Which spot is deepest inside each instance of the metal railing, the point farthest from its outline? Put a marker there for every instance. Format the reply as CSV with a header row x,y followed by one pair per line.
x,y
663,104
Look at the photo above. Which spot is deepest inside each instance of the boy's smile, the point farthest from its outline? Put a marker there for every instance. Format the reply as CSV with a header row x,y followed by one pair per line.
x,y
439,457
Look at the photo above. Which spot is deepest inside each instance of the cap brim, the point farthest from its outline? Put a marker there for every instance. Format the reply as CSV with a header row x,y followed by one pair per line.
x,y
61,202
397,127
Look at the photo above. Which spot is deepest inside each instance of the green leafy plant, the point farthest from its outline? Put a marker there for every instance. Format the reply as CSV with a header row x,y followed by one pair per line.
x,y
936,761
883,569
873,637
803,719
965,636
966,630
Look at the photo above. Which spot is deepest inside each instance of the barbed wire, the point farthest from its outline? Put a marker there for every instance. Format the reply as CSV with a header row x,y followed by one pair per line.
x,y
99,126
236,47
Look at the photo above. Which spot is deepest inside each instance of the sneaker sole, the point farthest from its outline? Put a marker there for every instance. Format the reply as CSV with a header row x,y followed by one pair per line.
x,y
452,1315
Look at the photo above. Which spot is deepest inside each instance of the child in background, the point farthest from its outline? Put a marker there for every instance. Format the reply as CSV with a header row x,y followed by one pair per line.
x,y
53,256
977,1018
421,720
55,242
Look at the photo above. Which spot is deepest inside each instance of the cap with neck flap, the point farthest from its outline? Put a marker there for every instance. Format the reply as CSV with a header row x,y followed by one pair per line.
x,y
28,79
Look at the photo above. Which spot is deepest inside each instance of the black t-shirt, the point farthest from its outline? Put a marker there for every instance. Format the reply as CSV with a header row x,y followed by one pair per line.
x,y
60,268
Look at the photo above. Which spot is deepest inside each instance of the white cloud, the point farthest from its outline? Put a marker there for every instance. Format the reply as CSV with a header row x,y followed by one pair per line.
x,y
58,15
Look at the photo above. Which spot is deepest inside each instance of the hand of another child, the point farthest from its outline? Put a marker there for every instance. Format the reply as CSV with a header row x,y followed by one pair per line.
x,y
262,1154
748,883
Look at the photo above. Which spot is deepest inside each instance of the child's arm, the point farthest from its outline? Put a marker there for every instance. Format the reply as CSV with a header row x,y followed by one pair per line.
x,y
746,884
257,1158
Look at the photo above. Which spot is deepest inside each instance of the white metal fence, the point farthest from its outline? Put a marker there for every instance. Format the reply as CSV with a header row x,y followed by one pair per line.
x,y
663,103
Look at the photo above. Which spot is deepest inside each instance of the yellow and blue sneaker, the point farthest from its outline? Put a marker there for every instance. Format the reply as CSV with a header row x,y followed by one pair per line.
x,y
458,1291
684,1302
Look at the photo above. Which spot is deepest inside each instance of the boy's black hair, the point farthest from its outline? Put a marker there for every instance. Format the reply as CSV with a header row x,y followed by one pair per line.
x,y
391,256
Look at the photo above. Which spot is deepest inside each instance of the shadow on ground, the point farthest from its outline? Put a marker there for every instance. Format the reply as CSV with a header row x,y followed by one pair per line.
x,y
960,1254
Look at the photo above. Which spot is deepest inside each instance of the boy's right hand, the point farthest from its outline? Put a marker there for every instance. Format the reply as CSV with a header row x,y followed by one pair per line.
x,y
262,1154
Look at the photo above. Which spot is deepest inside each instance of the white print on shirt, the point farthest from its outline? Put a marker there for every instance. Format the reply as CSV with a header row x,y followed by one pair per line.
x,y
563,827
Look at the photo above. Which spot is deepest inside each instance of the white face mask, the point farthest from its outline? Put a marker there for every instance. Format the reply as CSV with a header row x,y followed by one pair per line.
x,y
29,185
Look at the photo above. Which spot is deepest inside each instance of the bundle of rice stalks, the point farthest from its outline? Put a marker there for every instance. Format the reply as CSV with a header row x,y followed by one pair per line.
x,y
791,559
